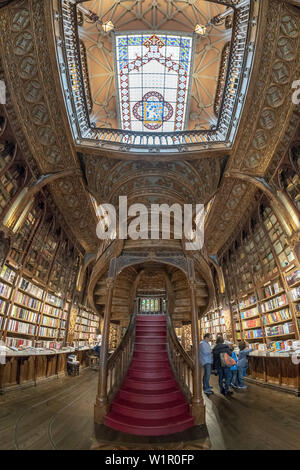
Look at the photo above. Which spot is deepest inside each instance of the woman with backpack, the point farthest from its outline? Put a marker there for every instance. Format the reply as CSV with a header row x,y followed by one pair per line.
x,y
222,363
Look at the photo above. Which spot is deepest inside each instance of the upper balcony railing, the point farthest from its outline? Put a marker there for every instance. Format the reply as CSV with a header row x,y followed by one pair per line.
x,y
118,140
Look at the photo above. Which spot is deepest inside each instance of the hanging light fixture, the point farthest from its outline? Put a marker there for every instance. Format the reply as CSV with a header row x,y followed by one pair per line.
x,y
108,26
200,29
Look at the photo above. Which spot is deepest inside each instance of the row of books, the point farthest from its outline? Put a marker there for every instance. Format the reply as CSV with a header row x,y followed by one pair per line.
x,y
1,322
293,278
47,332
252,334
271,304
17,342
278,330
54,300
5,290
20,327
251,324
48,321
31,288
2,306
23,314
279,316
51,310
295,294
8,274
272,289
249,301
249,313
27,301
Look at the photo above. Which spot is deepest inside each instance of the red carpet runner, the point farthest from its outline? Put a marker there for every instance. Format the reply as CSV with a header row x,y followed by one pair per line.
x,y
150,402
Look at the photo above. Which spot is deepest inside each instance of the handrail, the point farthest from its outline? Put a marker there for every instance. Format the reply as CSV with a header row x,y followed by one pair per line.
x,y
181,362
119,361
238,74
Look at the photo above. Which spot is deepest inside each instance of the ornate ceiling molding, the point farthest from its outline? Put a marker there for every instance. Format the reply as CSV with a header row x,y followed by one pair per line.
x,y
36,111
181,182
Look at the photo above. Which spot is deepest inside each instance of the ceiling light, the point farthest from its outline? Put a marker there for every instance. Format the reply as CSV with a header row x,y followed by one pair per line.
x,y
200,29
108,26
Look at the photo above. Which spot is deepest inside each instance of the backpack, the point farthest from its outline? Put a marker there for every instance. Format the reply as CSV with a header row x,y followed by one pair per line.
x,y
226,360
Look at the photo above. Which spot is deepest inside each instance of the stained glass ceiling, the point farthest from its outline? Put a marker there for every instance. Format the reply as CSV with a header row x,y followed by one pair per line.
x,y
153,75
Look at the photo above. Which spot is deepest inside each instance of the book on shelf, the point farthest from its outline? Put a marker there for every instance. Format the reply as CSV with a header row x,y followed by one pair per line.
x,y
252,334
5,290
272,289
249,313
31,288
251,324
23,314
54,300
247,302
2,306
27,301
274,303
7,274
295,294
18,342
47,332
293,277
51,310
275,317
48,321
20,327
278,330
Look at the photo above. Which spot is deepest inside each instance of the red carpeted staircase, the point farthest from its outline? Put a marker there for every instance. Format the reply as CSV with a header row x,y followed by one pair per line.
x,y
150,402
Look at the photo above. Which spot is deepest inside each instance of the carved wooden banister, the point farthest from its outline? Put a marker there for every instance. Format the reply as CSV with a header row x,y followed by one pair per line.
x,y
119,361
181,362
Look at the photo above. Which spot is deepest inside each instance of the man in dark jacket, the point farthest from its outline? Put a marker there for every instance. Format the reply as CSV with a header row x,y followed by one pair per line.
x,y
223,372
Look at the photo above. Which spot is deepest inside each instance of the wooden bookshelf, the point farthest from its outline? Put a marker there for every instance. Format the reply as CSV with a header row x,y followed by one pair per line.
x,y
263,280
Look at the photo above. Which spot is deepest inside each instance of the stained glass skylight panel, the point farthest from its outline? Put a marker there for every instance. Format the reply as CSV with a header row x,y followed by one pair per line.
x,y
153,81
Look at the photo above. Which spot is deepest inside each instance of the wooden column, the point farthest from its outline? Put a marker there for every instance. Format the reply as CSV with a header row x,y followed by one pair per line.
x,y
101,404
198,408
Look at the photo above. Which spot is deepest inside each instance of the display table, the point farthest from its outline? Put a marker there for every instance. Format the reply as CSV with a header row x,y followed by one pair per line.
x,y
24,368
280,371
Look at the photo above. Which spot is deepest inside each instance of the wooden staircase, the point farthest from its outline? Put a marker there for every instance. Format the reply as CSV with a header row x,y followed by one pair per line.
x,y
150,402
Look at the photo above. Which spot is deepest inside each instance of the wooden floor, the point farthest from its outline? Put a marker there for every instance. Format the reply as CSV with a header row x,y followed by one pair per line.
x,y
59,415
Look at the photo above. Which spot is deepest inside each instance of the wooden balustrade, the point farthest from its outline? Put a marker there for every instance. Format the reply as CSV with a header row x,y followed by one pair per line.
x,y
119,361
182,364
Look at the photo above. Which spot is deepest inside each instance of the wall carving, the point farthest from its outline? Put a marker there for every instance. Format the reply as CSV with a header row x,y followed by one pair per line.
x,y
270,118
26,62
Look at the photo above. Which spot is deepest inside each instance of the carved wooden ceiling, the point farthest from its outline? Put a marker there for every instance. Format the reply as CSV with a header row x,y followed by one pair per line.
x,y
152,182
37,113
154,15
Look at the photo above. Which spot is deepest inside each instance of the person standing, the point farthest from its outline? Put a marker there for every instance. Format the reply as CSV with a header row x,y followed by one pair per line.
x,y
97,348
242,364
206,361
224,372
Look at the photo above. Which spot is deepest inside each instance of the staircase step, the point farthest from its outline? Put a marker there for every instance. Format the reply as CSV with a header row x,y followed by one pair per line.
x,y
148,347
143,384
147,396
152,411
149,340
150,356
149,366
154,373
149,427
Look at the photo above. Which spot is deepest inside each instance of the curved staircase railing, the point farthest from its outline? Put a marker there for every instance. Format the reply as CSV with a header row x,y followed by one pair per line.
x,y
119,361
182,364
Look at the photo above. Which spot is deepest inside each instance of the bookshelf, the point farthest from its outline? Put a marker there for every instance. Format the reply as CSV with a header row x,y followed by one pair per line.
x,y
262,277
213,323
87,323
